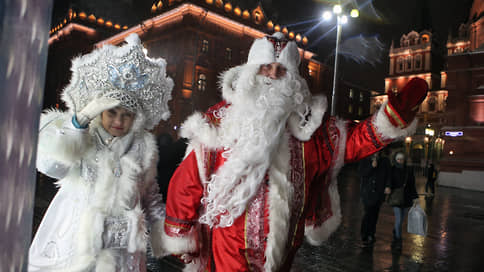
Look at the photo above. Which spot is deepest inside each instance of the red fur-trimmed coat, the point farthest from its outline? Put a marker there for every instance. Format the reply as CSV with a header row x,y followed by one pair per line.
x,y
298,198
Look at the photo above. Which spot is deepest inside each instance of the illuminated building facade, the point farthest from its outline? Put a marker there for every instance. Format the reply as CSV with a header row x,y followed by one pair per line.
x,y
74,35
199,40
462,164
419,55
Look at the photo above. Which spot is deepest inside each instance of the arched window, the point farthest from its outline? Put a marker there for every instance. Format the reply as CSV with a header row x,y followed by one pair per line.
x,y
432,103
258,17
202,82
409,65
418,62
228,54
204,46
400,65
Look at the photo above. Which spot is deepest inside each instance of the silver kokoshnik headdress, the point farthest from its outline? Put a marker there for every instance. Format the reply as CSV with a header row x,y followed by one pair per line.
x,y
124,73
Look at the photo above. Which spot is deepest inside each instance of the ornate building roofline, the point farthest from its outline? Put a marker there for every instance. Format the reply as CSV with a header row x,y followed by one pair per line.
x,y
176,15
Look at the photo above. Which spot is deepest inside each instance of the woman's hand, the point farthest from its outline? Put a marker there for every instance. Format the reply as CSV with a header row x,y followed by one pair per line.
x,y
94,108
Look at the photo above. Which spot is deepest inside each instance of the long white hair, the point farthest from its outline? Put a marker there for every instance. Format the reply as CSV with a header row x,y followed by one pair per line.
x,y
250,133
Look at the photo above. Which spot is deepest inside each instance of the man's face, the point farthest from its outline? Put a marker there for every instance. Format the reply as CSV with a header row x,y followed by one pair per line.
x,y
117,121
273,70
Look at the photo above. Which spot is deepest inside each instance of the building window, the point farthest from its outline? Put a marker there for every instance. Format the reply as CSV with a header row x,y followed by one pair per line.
x,y
350,108
399,65
202,82
362,97
409,63
425,38
204,46
352,94
228,54
418,62
258,17
360,111
432,103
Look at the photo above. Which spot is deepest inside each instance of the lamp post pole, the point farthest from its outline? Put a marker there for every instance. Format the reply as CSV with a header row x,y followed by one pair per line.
x,y
335,72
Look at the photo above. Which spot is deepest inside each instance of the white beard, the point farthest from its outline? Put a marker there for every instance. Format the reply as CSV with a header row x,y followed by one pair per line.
x,y
250,131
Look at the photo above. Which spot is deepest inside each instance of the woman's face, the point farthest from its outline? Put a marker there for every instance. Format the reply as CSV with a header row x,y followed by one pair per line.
x,y
400,160
117,121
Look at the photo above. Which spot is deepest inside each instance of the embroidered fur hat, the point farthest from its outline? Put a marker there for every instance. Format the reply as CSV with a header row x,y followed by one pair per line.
x,y
126,74
275,48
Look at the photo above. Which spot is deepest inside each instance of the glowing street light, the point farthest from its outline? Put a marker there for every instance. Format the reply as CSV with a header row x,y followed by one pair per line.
x,y
341,19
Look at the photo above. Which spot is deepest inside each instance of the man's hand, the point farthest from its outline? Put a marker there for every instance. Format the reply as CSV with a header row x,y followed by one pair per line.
x,y
388,190
403,106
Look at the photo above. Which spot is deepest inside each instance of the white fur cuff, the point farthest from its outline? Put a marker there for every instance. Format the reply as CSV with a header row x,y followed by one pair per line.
x,y
387,130
319,104
198,130
179,244
59,140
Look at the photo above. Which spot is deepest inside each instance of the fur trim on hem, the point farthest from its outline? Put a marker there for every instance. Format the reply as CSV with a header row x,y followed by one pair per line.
x,y
319,105
156,239
106,262
316,235
387,130
180,244
280,196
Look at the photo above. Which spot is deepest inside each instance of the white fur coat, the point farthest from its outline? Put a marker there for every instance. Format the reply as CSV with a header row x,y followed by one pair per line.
x,y
108,195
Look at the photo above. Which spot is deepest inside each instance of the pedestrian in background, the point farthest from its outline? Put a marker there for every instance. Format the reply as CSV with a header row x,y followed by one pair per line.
x,y
431,177
403,193
374,174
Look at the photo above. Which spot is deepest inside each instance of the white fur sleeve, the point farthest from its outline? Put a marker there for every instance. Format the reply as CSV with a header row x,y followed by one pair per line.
x,y
60,143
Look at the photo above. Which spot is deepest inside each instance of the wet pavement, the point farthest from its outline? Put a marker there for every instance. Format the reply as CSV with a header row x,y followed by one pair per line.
x,y
455,239
454,242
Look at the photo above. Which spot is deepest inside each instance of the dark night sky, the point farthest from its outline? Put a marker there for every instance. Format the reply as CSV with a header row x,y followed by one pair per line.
x,y
385,20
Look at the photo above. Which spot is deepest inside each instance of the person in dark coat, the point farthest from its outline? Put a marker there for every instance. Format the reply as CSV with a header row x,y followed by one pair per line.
x,y
401,176
431,177
374,174
171,154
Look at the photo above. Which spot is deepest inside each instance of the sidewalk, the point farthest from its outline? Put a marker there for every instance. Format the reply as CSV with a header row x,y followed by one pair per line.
x,y
454,241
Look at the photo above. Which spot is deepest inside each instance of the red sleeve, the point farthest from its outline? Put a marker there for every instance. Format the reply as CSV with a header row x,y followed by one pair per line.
x,y
362,141
183,198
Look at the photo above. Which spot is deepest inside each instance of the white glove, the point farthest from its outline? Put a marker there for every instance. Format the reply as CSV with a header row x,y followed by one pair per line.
x,y
94,108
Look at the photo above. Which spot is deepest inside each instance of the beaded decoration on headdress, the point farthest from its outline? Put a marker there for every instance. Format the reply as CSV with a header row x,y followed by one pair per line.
x,y
278,44
124,73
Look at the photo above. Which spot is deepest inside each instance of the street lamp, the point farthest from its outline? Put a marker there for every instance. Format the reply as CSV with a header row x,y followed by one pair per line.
x,y
341,19
408,141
